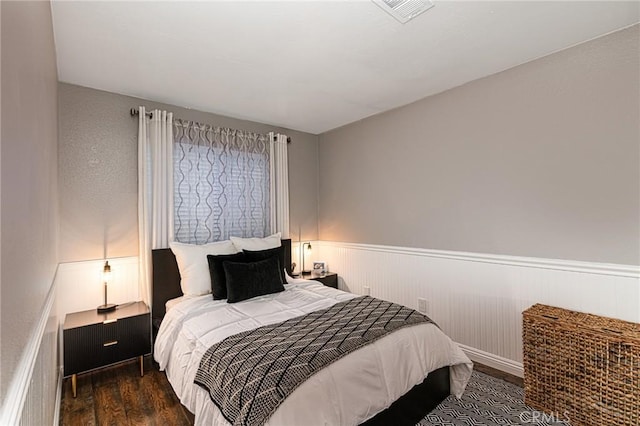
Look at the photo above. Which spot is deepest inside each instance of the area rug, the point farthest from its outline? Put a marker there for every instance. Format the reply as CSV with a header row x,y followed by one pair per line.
x,y
489,401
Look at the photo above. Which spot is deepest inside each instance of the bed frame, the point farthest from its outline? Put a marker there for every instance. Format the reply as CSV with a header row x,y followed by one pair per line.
x,y
407,410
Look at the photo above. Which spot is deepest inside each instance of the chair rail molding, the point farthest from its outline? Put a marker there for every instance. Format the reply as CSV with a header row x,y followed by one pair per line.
x,y
631,271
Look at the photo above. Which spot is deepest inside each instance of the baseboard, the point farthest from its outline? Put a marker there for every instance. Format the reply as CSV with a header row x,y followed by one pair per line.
x,y
56,415
493,361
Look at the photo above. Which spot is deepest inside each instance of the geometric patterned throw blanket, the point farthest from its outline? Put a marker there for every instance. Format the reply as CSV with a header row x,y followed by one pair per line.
x,y
249,374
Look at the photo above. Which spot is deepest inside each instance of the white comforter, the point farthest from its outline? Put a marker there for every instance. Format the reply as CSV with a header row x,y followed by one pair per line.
x,y
347,392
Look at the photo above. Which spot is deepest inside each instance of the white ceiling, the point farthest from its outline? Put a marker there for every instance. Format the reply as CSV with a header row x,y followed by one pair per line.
x,y
309,65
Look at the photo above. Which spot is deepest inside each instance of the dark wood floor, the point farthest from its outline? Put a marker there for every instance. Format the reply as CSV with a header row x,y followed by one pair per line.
x,y
119,396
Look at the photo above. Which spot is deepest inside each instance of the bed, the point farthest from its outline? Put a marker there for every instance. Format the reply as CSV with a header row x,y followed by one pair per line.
x,y
375,385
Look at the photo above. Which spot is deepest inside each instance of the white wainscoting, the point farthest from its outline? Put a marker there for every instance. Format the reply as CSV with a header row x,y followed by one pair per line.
x,y
80,285
31,397
478,299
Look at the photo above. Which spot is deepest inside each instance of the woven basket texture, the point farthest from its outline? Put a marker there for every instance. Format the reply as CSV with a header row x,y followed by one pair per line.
x,y
581,367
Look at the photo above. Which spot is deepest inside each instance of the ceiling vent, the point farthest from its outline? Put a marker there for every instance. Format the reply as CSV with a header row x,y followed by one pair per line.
x,y
404,10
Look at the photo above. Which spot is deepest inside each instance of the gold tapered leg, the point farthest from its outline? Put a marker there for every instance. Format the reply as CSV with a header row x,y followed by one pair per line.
x,y
74,380
141,366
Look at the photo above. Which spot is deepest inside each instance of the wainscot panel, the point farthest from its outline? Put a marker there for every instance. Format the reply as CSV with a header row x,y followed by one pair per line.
x,y
478,299
32,397
80,285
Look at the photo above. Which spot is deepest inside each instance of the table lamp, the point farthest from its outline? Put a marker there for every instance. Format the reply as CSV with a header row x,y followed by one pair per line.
x,y
304,271
106,277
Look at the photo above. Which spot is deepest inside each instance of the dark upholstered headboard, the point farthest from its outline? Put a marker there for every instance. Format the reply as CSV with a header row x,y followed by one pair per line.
x,y
166,278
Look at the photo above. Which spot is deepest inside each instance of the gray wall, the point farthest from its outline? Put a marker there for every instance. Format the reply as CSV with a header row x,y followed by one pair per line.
x,y
28,168
98,172
540,160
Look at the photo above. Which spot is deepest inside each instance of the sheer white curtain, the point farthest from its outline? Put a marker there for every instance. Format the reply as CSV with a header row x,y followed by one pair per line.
x,y
155,190
279,183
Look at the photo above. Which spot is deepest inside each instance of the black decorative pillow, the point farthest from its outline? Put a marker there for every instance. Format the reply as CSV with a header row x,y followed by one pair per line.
x,y
251,279
253,256
218,279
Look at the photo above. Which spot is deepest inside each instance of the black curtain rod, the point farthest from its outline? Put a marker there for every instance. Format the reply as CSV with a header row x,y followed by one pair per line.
x,y
135,111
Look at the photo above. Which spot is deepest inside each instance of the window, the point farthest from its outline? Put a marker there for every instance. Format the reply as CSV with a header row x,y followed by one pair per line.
x,y
221,183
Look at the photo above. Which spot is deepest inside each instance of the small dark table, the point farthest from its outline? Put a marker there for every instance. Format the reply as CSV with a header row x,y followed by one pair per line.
x,y
330,279
93,340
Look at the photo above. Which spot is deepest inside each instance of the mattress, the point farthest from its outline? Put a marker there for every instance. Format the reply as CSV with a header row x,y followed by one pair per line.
x,y
347,392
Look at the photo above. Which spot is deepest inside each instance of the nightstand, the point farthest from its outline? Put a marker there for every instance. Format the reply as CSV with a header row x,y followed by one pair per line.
x,y
330,279
93,340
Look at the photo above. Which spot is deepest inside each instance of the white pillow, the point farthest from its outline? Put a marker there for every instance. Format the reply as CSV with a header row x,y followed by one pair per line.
x,y
254,244
194,267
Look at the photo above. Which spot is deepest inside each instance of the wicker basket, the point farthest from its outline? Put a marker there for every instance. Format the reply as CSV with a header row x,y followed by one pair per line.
x,y
581,367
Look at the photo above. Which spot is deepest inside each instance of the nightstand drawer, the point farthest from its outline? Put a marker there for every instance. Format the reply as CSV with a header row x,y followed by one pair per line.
x,y
84,347
134,337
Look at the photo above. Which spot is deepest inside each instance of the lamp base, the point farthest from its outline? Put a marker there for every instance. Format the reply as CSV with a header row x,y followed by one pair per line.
x,y
106,308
